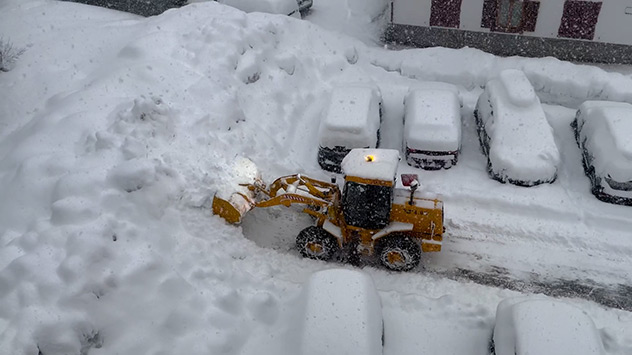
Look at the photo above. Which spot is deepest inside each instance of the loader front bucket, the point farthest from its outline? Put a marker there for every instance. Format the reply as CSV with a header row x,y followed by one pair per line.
x,y
236,197
231,210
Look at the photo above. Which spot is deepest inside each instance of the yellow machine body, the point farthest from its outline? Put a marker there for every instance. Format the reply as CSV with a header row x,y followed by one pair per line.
x,y
407,213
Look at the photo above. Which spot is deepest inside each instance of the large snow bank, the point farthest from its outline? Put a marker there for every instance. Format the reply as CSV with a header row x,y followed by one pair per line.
x,y
117,129
555,81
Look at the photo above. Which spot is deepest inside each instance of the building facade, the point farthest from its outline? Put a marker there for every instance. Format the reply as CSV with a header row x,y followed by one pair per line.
x,y
576,30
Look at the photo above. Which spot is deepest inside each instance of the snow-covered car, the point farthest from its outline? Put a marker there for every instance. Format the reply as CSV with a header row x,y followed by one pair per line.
x,y
514,133
352,120
284,7
603,130
342,314
432,128
527,326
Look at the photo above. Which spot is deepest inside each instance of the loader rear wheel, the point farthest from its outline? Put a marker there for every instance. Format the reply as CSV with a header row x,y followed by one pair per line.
x,y
399,253
316,243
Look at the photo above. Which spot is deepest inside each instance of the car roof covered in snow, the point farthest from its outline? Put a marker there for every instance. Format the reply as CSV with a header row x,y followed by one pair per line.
x,y
521,138
283,7
433,120
607,128
352,118
343,314
518,88
376,164
545,327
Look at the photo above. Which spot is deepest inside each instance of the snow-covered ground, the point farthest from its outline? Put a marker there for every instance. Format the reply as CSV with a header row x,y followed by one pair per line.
x,y
115,130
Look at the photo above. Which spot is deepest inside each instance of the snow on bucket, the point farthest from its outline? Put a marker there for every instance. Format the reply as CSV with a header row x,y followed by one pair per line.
x,y
237,196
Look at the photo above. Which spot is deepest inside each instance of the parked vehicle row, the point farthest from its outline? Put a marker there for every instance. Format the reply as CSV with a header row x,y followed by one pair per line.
x,y
341,313
513,131
432,132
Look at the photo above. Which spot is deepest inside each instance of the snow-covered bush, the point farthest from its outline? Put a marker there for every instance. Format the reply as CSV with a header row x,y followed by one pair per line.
x,y
8,54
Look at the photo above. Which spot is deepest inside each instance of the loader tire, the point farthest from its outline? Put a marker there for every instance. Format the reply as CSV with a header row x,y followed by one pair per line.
x,y
316,243
399,253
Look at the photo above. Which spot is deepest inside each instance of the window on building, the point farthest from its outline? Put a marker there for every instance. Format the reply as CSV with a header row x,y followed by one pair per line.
x,y
510,15
445,13
579,19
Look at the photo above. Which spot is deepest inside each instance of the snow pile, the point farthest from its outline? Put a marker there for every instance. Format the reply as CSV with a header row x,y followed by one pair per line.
x,y
132,124
554,80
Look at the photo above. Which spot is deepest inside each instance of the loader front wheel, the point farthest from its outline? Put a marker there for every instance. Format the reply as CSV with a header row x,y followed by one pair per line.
x,y
316,243
399,253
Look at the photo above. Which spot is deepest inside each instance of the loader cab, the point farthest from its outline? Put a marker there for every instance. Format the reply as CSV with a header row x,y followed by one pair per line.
x,y
367,195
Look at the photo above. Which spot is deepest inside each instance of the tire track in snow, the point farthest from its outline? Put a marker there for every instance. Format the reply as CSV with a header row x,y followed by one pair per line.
x,y
613,296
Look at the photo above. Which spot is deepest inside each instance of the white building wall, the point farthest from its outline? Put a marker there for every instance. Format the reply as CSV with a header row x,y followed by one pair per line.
x,y
471,15
549,19
614,25
412,12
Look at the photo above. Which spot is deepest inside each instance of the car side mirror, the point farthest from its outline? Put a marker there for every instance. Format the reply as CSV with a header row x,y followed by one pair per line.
x,y
410,180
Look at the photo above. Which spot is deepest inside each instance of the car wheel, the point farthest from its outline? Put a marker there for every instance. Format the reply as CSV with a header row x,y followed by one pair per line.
x,y
316,243
399,253
492,346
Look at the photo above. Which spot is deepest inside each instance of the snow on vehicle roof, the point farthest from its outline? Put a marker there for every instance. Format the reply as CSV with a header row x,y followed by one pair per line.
x,y
433,120
543,326
352,118
343,314
377,164
607,127
521,139
283,7
518,88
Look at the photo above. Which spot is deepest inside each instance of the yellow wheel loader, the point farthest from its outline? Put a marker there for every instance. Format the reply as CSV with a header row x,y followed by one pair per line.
x,y
369,218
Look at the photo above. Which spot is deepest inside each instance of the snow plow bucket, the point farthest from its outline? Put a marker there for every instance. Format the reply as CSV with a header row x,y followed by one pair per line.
x,y
233,209
237,196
